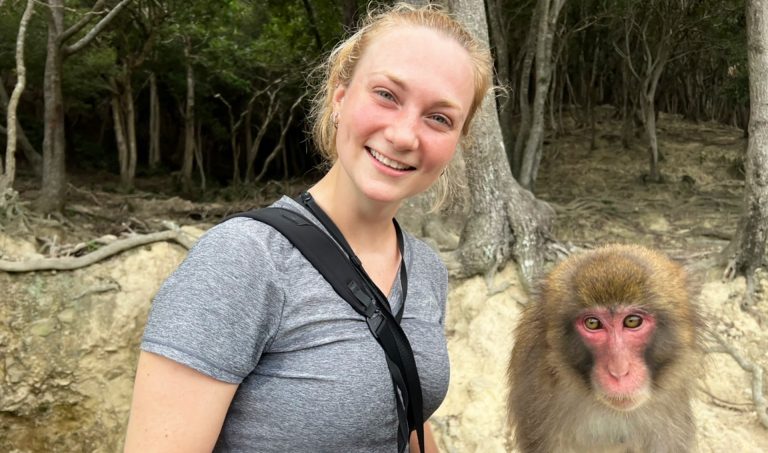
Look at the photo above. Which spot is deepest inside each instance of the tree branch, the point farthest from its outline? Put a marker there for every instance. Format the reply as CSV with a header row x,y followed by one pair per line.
x,y
98,28
75,28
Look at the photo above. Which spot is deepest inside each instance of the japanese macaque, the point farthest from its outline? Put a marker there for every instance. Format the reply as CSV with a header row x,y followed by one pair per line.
x,y
606,356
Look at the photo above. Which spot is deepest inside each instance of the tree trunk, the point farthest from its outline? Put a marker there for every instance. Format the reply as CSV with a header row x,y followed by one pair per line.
x,y
120,140
549,10
498,37
284,126
130,129
627,109
8,175
54,178
34,158
199,155
154,123
648,103
313,24
123,114
525,108
253,150
54,141
505,220
349,12
749,245
189,120
649,122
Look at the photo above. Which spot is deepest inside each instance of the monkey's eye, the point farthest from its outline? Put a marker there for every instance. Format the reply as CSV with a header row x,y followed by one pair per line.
x,y
592,323
633,321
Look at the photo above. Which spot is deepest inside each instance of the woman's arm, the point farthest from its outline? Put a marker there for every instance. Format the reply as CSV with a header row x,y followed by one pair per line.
x,y
429,441
175,408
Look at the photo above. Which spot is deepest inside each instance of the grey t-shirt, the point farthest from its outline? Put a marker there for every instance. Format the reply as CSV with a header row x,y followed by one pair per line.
x,y
246,307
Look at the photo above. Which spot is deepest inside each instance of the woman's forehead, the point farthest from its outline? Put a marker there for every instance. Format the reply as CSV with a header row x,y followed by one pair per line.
x,y
411,55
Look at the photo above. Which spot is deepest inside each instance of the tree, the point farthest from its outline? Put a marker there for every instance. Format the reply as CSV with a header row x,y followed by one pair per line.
x,y
135,43
7,176
749,244
652,35
545,18
505,220
57,51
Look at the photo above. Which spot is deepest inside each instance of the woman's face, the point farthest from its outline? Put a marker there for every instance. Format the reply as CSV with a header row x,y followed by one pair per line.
x,y
401,114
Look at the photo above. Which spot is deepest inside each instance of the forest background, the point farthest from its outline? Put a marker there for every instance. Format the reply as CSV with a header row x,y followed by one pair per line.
x,y
145,121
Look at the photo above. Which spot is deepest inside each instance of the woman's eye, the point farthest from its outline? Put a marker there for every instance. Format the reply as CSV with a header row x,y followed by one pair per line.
x,y
385,94
442,120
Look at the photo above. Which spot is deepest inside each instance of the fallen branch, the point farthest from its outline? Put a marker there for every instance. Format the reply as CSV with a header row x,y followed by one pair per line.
x,y
761,406
70,263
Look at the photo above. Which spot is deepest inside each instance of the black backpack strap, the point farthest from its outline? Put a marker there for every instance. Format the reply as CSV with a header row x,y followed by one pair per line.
x,y
353,285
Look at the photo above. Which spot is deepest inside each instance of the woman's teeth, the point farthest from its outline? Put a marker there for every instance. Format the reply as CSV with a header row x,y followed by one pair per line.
x,y
387,161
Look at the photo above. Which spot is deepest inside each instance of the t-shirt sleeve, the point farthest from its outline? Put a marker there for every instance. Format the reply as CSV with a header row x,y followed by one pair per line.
x,y
221,308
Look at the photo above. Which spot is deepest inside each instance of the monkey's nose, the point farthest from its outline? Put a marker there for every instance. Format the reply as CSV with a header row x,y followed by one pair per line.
x,y
618,368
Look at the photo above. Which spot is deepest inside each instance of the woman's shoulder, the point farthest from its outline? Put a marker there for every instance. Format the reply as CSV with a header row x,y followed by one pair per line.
x,y
242,234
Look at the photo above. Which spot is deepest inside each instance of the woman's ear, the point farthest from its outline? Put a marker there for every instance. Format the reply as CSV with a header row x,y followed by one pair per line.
x,y
338,97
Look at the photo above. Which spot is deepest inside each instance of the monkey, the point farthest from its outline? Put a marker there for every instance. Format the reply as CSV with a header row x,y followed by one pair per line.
x,y
606,355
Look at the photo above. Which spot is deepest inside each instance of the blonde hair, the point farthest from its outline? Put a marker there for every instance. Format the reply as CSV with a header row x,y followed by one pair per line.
x,y
338,68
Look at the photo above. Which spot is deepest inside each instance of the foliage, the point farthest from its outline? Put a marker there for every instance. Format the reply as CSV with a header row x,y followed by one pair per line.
x,y
241,49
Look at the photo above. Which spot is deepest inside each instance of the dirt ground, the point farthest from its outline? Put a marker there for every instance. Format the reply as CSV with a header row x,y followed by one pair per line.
x,y
599,197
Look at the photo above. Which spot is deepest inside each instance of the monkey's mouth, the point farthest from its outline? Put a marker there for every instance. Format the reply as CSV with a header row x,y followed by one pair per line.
x,y
622,403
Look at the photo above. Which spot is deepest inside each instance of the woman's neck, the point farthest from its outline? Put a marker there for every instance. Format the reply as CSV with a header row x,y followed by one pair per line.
x,y
365,224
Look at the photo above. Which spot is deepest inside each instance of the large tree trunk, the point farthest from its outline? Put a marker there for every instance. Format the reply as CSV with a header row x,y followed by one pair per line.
x,y
749,245
9,174
505,220
54,178
54,141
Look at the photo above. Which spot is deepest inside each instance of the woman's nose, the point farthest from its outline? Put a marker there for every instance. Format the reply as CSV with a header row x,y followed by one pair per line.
x,y
402,132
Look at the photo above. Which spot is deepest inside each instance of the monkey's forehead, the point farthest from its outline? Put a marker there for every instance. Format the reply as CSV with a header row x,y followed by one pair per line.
x,y
617,275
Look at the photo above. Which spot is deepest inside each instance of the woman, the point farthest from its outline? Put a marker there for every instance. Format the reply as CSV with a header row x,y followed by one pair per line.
x,y
247,347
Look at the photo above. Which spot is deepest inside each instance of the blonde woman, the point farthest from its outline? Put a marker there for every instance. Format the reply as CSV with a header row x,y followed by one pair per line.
x,y
247,347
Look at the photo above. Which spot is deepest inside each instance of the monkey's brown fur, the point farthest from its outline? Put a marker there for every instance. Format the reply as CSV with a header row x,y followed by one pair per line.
x,y
552,406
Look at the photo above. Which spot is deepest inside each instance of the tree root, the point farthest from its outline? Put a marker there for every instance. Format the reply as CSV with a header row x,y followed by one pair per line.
x,y
111,286
725,404
761,405
13,210
72,263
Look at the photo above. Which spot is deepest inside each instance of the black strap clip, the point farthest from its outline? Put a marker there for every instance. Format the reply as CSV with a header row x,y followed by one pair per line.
x,y
369,305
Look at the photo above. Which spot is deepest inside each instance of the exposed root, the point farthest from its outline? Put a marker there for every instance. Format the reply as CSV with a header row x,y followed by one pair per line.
x,y
730,405
13,210
118,246
761,405
111,286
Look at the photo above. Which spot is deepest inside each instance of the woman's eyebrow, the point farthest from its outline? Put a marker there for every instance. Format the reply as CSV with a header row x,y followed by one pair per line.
x,y
446,103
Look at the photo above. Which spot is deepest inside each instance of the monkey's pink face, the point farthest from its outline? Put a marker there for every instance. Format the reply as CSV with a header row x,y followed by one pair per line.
x,y
618,339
